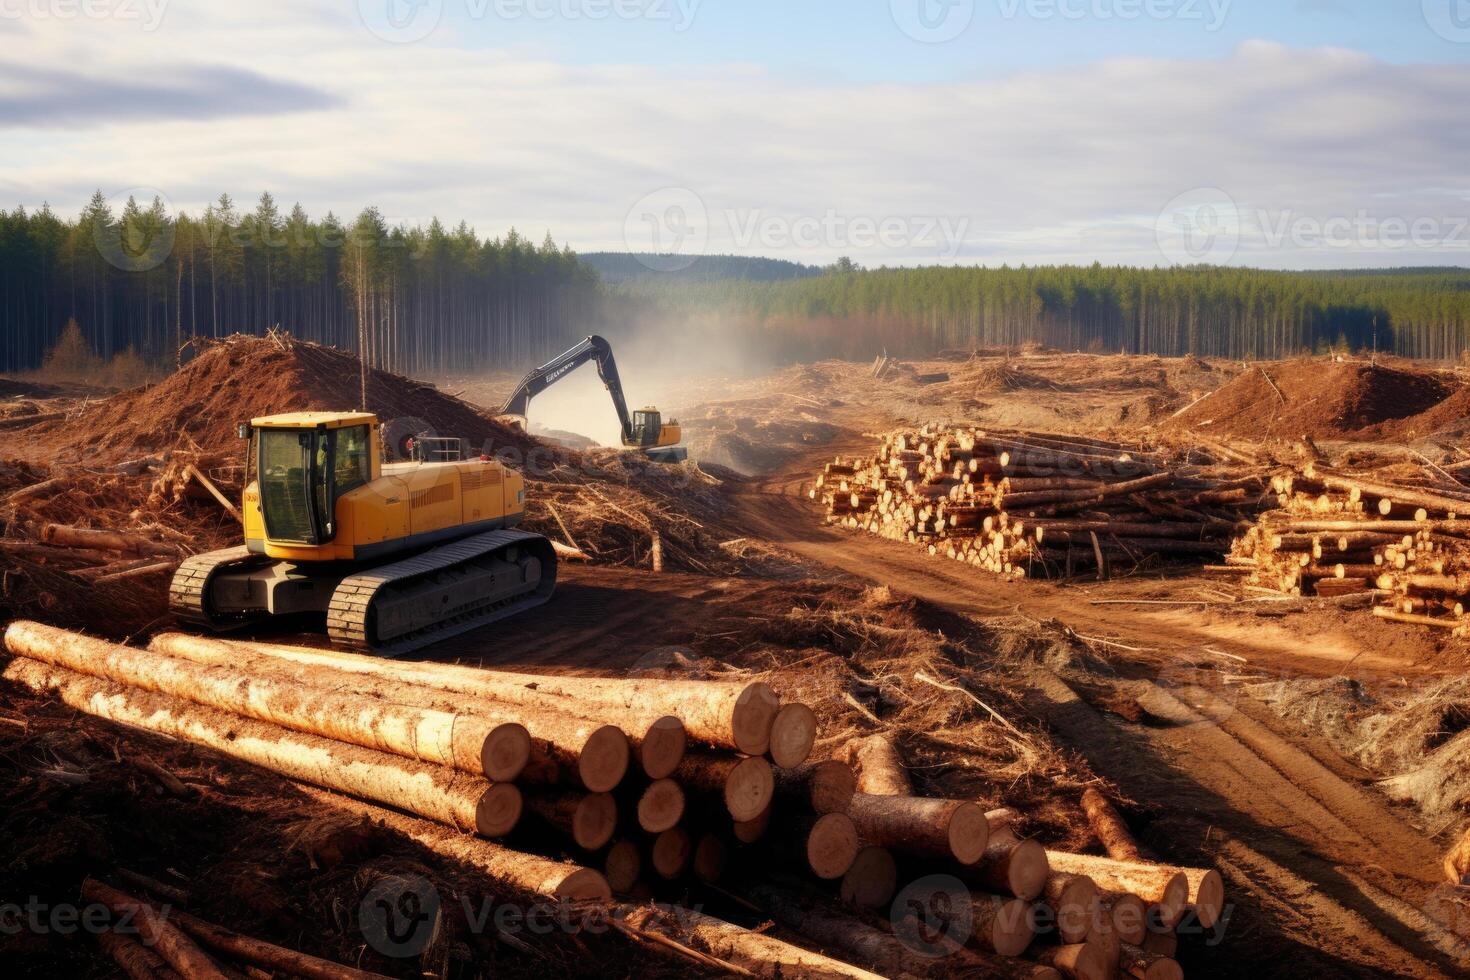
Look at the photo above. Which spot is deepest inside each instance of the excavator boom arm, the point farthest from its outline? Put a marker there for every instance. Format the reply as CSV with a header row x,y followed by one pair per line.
x,y
592,349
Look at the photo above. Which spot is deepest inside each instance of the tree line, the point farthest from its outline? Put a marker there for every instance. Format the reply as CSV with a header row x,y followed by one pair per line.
x,y
1210,311
414,300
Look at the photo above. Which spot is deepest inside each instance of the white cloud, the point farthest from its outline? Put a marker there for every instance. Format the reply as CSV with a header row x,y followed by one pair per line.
x,y
1068,165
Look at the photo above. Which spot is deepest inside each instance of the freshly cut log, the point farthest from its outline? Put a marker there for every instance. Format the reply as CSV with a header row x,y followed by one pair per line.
x,y
470,744
671,853
710,855
589,819
730,715
661,747
661,806
528,872
825,787
1109,827
564,747
1157,884
1013,866
133,958
1072,901
622,865
747,785
1001,925
880,769
1124,915
872,880
1080,961
1143,965
750,831
793,734
80,537
928,828
438,793
828,844
757,953
1206,894
155,930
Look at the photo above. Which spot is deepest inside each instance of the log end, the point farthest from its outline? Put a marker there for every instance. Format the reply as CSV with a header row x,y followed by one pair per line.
x,y
672,851
604,759
968,833
1072,899
1028,870
622,866
793,733
1128,917
833,785
1209,899
832,846
663,747
751,721
594,821
661,806
1012,929
1174,903
505,753
872,880
584,885
498,810
749,788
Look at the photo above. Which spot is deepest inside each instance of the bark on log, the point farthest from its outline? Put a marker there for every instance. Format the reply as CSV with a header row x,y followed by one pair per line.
x,y
256,952
64,536
730,715
1072,901
1154,883
1109,827
746,785
438,793
923,827
1143,965
825,787
762,955
156,931
1012,866
1402,496
469,744
872,880
564,747
880,769
528,872
133,958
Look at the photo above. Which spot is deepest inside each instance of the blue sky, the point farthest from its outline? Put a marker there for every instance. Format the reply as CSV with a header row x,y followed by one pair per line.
x,y
1287,134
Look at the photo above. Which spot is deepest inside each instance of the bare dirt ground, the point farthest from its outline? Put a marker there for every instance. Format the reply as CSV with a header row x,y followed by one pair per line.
x,y
1180,699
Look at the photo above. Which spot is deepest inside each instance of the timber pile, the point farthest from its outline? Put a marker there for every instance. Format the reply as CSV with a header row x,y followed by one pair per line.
x,y
1029,504
645,784
1335,533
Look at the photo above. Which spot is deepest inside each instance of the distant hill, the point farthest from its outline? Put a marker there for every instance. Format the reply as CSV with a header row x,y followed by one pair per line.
x,y
618,267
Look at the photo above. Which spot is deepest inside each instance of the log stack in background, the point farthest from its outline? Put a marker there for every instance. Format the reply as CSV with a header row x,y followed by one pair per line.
x,y
1043,505
598,769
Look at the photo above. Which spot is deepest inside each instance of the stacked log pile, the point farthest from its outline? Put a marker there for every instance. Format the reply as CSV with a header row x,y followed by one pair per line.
x,y
647,785
1029,504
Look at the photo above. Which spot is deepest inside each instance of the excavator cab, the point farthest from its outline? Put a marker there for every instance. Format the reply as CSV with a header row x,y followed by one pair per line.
x,y
659,441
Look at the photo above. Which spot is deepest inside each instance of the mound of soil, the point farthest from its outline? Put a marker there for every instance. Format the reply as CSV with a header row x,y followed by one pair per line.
x,y
200,405
1316,398
1450,417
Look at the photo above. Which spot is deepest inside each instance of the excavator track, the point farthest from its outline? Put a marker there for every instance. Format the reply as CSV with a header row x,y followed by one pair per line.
x,y
188,593
410,604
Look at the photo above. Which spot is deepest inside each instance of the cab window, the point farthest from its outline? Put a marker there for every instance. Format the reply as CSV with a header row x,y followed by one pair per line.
x,y
354,458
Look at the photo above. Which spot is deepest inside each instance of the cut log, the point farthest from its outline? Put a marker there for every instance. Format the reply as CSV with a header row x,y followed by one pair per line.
x,y
922,827
63,536
828,844
1124,915
1109,827
661,806
133,958
746,785
1156,884
438,793
268,956
1072,902
880,769
730,715
622,865
1012,866
1080,961
672,852
589,819
793,734
758,954
661,747
156,931
1003,926
528,872
872,880
1143,965
473,745
825,787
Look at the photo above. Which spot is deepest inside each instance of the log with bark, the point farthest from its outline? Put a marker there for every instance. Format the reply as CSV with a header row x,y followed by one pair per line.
x,y
156,931
1166,887
924,827
880,769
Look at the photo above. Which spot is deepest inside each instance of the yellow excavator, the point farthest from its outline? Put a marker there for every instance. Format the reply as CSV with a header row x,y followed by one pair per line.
x,y
398,555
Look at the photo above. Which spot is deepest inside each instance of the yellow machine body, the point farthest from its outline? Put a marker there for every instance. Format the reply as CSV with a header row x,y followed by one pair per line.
x,y
381,510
